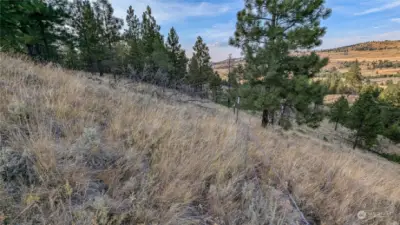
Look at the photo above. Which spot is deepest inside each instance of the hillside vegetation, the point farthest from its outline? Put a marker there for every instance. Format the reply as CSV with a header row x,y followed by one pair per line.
x,y
386,53
82,151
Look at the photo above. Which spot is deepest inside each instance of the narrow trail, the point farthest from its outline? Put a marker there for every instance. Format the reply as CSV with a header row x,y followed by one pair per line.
x,y
247,131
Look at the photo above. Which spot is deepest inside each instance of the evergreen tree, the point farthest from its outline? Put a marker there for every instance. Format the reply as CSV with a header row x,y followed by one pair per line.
x,y
33,26
390,116
391,94
339,111
109,35
151,38
215,85
109,23
354,77
177,57
268,31
133,39
200,67
88,34
365,119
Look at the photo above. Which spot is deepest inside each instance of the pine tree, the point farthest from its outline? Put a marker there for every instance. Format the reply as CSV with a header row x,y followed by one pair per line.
x,y
365,119
109,23
215,85
88,34
194,71
391,94
133,38
177,57
390,115
354,77
268,31
33,27
110,26
200,67
151,37
339,111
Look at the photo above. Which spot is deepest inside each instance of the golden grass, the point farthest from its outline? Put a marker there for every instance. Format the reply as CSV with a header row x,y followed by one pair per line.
x,y
74,151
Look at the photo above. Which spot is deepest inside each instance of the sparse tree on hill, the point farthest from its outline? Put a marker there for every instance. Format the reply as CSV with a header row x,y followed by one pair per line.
x,y
354,77
268,31
133,39
391,94
365,119
199,68
109,34
88,34
215,85
151,39
177,57
339,111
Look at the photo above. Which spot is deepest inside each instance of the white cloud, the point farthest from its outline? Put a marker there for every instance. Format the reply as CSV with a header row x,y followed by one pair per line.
x,y
218,51
218,32
384,7
396,20
172,10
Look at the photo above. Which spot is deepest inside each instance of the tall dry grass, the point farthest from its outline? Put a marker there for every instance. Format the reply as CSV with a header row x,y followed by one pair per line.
x,y
78,151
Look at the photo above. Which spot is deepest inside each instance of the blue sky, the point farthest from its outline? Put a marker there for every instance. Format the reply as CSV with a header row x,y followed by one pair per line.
x,y
352,21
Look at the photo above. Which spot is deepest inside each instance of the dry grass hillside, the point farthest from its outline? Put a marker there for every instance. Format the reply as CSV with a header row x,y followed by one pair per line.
x,y
85,151
365,53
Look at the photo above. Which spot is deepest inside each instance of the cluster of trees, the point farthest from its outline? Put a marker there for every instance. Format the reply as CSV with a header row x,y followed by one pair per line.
x,y
86,35
347,83
380,64
369,117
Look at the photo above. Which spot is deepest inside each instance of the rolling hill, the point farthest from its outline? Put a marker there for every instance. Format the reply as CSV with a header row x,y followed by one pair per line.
x,y
378,59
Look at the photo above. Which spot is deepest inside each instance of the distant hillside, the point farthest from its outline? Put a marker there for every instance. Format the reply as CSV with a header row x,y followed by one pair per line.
x,y
380,60
367,46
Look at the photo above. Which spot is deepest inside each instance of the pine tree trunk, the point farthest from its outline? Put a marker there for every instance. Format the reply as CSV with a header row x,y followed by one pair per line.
x,y
272,116
355,142
336,125
264,122
100,67
46,45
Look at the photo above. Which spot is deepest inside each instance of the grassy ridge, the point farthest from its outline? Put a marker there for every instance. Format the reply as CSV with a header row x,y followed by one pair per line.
x,y
74,150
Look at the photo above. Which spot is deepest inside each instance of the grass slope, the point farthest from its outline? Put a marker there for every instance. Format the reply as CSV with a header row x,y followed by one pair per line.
x,y
81,151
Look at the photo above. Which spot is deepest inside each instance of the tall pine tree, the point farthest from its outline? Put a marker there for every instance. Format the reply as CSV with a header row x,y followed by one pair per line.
x,y
339,111
200,70
88,32
354,77
177,57
268,31
133,39
364,118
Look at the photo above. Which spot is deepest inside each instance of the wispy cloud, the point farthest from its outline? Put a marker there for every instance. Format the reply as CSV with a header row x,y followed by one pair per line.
x,y
384,7
396,20
220,31
174,10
